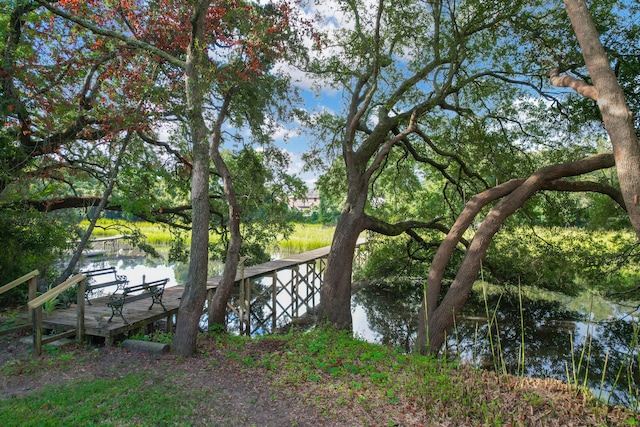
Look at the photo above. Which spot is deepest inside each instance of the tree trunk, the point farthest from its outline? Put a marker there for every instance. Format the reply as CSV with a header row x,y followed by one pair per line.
x,y
103,202
335,294
439,318
618,119
218,310
194,295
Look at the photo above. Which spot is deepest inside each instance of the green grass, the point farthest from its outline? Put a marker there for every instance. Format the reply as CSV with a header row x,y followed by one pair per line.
x,y
331,357
324,368
307,237
134,399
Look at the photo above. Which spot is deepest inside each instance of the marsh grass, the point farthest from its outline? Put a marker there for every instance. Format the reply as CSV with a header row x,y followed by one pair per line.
x,y
156,234
306,237
630,366
577,371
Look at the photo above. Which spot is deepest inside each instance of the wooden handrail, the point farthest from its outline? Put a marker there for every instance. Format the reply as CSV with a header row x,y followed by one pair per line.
x,y
52,293
19,281
35,307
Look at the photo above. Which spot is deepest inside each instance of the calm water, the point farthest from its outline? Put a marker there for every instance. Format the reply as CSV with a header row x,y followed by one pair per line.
x,y
563,338
567,339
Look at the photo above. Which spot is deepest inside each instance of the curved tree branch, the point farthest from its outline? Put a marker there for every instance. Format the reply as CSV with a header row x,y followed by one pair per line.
x,y
579,86
379,226
514,193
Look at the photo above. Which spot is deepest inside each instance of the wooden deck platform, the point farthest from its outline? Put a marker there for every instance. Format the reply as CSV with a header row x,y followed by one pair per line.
x,y
137,314
97,315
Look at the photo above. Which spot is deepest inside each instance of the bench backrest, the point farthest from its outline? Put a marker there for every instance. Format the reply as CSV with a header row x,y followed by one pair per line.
x,y
100,272
98,278
147,285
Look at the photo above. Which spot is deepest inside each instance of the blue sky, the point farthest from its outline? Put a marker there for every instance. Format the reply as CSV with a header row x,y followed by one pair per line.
x,y
327,99
293,139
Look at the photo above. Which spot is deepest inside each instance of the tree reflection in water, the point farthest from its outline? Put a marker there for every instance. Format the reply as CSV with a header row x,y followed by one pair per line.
x,y
550,332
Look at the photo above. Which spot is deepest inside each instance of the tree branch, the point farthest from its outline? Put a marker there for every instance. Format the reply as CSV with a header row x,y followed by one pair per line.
x,y
382,227
579,86
137,44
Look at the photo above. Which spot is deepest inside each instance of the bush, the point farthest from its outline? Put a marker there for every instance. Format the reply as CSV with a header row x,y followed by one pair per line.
x,y
566,260
31,240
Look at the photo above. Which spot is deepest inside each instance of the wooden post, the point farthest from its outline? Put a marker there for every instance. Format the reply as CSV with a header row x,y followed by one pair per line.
x,y
33,287
80,311
244,306
33,290
36,315
241,306
295,280
247,310
314,288
169,328
274,302
209,304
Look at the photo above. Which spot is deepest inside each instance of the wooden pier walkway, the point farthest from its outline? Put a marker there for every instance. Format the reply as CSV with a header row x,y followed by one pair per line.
x,y
270,267
137,313
262,305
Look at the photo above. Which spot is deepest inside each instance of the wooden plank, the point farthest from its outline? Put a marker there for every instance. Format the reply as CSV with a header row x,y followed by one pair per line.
x,y
18,281
36,313
56,337
51,294
276,265
15,329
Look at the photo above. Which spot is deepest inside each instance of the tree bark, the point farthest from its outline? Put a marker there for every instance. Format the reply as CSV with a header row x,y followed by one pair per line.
x,y
335,294
437,318
618,119
194,295
218,310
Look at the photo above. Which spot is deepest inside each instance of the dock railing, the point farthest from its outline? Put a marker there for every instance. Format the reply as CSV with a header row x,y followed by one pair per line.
x,y
32,280
35,310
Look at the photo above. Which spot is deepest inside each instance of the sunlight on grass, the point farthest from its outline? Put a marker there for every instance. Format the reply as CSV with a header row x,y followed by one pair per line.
x,y
125,400
307,237
156,234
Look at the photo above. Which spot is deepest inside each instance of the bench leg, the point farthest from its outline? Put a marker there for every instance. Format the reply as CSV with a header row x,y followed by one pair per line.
x,y
116,309
157,298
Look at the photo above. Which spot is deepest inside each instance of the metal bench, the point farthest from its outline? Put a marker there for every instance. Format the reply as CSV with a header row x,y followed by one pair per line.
x,y
118,299
103,278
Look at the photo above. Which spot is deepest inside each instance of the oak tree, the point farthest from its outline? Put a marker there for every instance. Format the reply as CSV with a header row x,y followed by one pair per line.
x,y
219,52
448,85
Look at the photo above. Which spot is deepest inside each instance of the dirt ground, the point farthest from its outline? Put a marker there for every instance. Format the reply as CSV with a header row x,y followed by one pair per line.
x,y
242,396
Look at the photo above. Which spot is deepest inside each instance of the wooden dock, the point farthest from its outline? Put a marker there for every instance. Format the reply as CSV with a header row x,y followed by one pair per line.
x,y
290,288
270,267
300,288
97,315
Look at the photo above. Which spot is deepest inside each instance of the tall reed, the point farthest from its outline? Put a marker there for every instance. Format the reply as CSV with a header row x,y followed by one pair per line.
x,y
497,355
